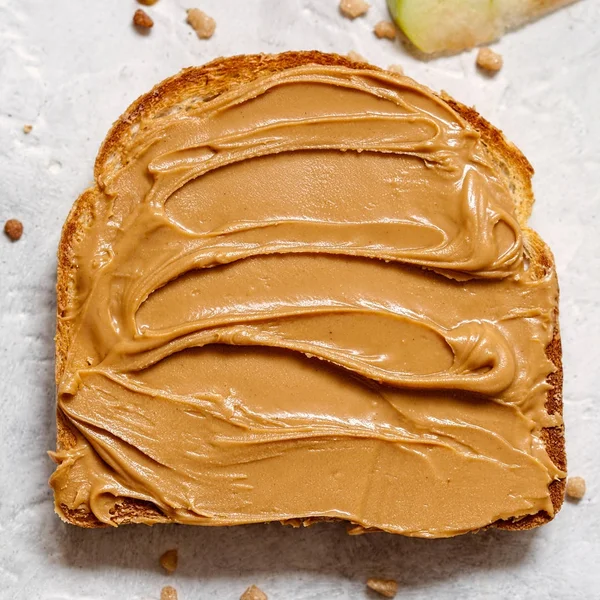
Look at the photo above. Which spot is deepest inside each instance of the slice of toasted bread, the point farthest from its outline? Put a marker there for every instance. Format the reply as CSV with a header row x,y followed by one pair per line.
x,y
198,84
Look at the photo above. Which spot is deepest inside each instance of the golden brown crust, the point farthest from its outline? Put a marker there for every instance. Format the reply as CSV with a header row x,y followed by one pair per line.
x,y
199,84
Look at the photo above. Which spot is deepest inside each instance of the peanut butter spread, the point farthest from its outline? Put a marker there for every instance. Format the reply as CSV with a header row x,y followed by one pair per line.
x,y
309,297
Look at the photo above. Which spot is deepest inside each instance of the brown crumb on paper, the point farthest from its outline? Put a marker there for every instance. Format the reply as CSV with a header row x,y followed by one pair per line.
x,y
168,561
576,487
202,24
385,29
353,8
356,57
253,593
386,587
489,60
147,2
27,128
168,593
142,19
13,228
396,69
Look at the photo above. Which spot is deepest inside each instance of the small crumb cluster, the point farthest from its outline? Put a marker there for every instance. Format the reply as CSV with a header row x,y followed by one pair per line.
x,y
385,29
142,19
353,8
168,593
169,560
253,593
488,60
27,128
576,488
396,69
13,228
201,23
388,588
356,57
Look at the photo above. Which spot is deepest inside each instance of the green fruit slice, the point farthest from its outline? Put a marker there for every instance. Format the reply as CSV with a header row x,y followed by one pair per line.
x,y
446,25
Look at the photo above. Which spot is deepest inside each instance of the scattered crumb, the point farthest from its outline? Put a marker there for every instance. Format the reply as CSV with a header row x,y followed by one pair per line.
x,y
168,561
386,587
27,128
203,25
353,8
356,57
147,2
13,228
354,529
168,593
253,593
489,60
385,29
396,69
142,19
576,487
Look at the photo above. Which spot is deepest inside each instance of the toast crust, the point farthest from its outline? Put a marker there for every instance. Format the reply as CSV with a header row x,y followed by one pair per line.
x,y
196,85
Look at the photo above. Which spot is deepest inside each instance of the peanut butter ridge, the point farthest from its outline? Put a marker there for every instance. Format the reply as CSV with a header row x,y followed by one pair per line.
x,y
308,298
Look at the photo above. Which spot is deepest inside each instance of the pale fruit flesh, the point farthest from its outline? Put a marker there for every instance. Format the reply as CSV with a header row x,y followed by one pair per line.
x,y
436,26
439,26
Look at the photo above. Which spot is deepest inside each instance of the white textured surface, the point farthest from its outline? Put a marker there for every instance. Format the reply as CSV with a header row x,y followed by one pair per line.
x,y
70,68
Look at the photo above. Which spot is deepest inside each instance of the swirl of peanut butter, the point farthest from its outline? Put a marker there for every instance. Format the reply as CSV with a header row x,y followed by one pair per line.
x,y
308,297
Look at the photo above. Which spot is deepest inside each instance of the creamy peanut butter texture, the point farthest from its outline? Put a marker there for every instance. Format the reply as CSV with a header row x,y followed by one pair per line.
x,y
309,297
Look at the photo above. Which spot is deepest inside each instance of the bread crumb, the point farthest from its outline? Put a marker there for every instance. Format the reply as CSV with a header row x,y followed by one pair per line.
x,y
253,593
142,19
147,2
576,487
203,25
396,69
168,593
356,57
168,561
386,587
353,8
489,60
27,128
13,228
385,29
